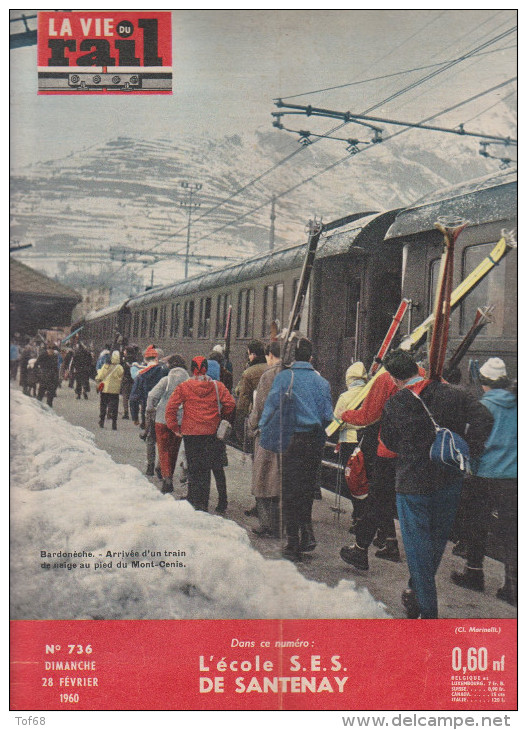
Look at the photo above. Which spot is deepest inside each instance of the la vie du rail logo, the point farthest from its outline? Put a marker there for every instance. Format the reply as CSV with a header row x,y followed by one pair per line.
x,y
110,52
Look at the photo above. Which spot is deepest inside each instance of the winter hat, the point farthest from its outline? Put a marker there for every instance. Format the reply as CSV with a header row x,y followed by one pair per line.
x,y
357,371
199,365
218,348
150,351
493,369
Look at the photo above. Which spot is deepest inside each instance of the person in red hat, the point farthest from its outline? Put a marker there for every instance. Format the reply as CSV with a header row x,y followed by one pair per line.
x,y
205,402
146,379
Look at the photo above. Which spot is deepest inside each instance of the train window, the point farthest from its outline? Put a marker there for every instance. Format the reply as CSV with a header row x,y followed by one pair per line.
x,y
244,327
153,322
490,291
352,306
174,319
188,319
135,325
433,278
144,314
163,321
222,308
273,307
204,317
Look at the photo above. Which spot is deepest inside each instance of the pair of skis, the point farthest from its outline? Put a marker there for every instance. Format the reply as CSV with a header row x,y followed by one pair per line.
x,y
442,305
413,340
392,331
483,317
315,231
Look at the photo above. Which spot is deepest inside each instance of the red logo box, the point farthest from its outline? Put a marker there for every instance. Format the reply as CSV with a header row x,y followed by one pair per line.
x,y
111,52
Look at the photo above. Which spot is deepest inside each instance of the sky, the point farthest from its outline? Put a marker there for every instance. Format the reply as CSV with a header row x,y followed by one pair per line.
x,y
229,65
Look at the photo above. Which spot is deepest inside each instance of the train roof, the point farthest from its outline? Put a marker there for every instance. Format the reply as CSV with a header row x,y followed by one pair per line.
x,y
487,199
113,309
263,264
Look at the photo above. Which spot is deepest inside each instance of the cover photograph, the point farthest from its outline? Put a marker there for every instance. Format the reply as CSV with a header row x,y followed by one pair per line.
x,y
263,363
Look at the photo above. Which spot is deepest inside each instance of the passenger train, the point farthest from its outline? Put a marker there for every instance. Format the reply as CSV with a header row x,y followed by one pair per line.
x,y
365,264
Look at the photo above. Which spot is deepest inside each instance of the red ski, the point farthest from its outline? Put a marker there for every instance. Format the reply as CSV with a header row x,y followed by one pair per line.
x,y
392,330
438,343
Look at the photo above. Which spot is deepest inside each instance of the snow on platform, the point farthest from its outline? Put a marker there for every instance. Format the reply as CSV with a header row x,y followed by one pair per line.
x,y
69,496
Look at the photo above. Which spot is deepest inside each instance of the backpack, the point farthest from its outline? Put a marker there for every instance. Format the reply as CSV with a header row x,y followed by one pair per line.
x,y
355,474
448,449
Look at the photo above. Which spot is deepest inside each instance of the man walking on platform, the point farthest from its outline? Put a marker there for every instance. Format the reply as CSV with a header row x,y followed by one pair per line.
x,y
47,367
81,368
427,493
313,410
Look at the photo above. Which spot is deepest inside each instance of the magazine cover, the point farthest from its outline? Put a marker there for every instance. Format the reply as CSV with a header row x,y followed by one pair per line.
x,y
263,364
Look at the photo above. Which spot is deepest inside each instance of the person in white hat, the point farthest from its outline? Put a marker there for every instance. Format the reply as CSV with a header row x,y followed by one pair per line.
x,y
494,485
356,377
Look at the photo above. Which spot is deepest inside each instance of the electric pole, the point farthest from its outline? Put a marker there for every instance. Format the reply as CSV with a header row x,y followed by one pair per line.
x,y
192,189
273,216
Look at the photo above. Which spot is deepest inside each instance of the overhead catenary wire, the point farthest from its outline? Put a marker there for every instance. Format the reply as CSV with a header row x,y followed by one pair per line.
x,y
360,118
295,152
390,75
450,65
344,159
488,108
437,83
411,86
468,33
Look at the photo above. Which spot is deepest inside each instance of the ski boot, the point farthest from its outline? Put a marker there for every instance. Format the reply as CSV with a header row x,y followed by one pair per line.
x,y
471,578
167,487
307,539
389,551
356,556
410,603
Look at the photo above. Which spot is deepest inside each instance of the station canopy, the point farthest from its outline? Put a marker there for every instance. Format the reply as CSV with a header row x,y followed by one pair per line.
x,y
36,301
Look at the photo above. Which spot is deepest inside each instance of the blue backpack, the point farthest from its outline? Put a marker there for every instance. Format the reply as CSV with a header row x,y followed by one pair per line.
x,y
449,449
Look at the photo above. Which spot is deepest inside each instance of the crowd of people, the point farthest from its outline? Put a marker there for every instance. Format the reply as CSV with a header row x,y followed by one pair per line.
x,y
279,413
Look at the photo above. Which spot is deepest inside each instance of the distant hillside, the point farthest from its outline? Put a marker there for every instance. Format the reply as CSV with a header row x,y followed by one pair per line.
x,y
127,193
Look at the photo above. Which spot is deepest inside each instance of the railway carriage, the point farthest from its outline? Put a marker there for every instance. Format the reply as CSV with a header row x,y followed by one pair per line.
x,y
365,264
489,207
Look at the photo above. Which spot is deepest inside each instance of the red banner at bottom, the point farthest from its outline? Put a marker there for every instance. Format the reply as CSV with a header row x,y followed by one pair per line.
x,y
466,665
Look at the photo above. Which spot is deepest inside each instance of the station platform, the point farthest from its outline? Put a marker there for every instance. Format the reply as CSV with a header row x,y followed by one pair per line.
x,y
384,580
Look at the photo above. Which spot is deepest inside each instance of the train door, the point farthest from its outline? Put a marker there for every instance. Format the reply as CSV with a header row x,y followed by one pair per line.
x,y
337,316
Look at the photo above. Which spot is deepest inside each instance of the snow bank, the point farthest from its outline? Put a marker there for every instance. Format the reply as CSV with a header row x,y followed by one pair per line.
x,y
68,496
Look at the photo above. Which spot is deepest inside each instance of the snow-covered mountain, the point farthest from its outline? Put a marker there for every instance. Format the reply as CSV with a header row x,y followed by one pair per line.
x,y
127,193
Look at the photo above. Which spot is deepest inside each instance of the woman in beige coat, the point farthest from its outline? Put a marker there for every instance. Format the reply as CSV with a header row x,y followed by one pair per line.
x,y
266,472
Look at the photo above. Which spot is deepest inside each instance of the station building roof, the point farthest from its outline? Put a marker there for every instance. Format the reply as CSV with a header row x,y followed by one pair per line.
x,y
36,301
